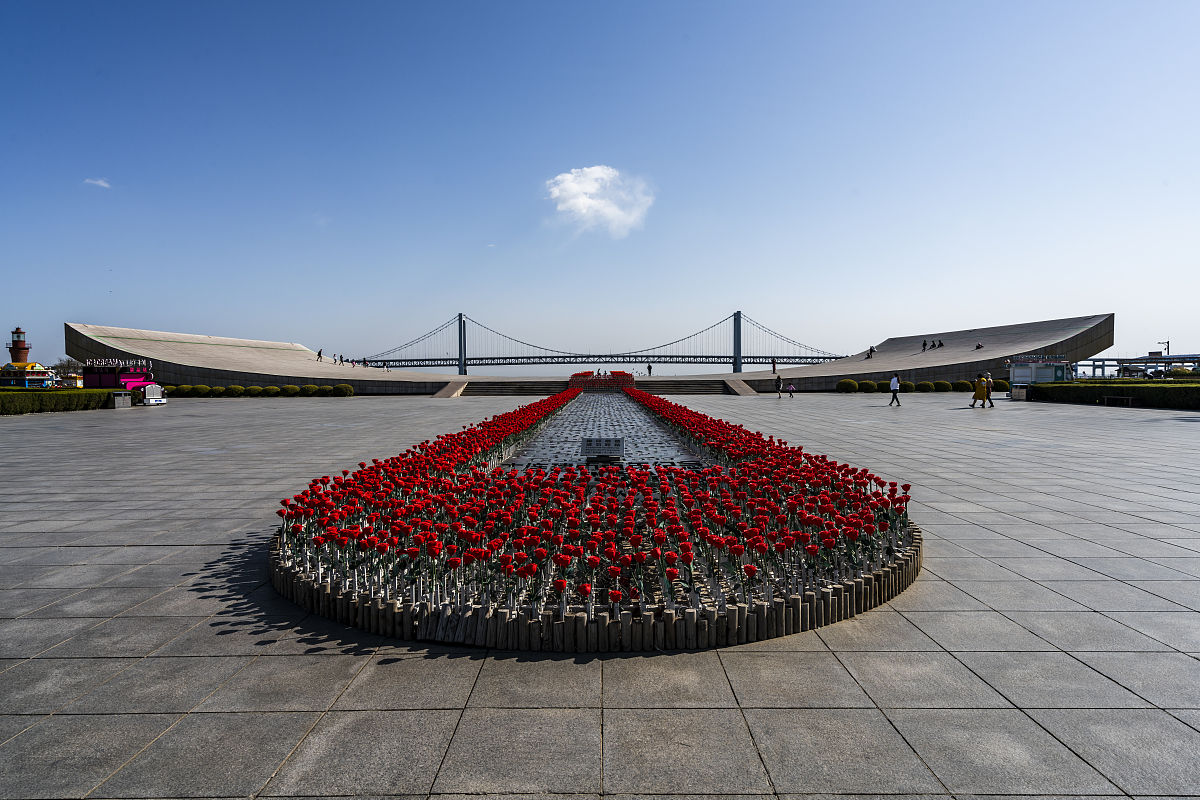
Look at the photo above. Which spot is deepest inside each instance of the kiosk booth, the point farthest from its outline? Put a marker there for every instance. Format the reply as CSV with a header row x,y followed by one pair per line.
x,y
1024,370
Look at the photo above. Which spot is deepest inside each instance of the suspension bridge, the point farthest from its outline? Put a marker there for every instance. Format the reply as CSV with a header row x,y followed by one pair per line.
x,y
463,342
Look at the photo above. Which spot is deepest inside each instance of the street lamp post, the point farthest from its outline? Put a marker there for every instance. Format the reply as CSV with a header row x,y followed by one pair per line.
x,y
1167,345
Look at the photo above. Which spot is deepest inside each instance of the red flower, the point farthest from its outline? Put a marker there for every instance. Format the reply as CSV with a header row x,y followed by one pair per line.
x,y
750,570
614,595
585,589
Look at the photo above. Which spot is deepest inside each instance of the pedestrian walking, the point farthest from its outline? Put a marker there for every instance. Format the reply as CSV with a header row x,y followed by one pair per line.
x,y
980,391
779,386
319,351
987,376
791,389
895,387
649,370
772,366
924,345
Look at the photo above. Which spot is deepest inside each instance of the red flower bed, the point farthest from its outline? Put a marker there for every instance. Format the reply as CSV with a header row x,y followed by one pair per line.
x,y
443,523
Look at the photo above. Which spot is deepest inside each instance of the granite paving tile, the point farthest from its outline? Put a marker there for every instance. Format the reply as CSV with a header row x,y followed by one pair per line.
x,y
937,596
995,751
205,755
920,680
25,637
554,750
791,680
386,753
291,683
399,682
1049,680
680,751
96,602
158,685
538,681
1022,595
1180,630
1168,680
42,685
124,636
1163,762
66,756
684,680
1111,595
1083,630
855,750
975,630
879,629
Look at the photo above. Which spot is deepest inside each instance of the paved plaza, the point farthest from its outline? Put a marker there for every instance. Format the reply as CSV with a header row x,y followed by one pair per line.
x,y
1050,646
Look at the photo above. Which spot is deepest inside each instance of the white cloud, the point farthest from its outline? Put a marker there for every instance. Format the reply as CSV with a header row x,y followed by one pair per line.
x,y
601,197
101,182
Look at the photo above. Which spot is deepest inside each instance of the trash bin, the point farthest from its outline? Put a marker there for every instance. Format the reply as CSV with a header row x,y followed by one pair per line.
x,y
121,400
1019,391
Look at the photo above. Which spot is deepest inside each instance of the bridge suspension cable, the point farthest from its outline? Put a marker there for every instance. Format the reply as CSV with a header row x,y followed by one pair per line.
x,y
463,341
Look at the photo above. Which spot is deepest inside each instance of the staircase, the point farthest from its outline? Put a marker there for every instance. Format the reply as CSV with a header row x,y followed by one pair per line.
x,y
544,387
682,386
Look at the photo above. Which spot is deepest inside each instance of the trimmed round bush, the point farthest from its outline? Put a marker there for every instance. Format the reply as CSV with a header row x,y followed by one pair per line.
x,y
309,389
964,386
253,391
270,391
1179,372
867,386
925,386
884,385
182,390
325,391
847,385
343,390
168,389
1000,385
290,390
200,390
235,391
907,386
942,386
216,391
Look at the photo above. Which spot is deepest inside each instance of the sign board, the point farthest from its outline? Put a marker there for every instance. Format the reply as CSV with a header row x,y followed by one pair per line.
x,y
1036,359
144,363
1155,354
601,447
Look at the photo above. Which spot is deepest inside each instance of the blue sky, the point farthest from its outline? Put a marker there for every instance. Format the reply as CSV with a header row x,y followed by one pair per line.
x,y
349,175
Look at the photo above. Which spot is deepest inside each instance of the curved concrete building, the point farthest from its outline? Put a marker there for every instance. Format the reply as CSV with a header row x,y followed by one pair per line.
x,y
221,361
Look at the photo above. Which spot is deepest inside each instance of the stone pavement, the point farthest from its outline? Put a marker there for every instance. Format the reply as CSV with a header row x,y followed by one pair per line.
x,y
1050,647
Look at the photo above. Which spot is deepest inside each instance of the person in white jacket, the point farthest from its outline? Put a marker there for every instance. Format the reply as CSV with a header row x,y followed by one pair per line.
x,y
895,387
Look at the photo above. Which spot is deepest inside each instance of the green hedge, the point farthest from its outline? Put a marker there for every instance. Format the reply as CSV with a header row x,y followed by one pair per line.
x,y
925,386
964,386
53,400
343,390
1000,385
1184,397
847,385
942,386
867,386
270,391
309,389
884,385
907,386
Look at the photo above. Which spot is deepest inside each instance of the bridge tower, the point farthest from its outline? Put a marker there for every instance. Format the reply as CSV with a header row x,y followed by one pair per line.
x,y
462,344
737,341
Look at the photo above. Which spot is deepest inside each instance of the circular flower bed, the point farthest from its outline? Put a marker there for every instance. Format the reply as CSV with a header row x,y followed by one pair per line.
x,y
442,543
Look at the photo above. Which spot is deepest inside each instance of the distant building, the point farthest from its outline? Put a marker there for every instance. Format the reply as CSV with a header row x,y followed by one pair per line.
x,y
27,374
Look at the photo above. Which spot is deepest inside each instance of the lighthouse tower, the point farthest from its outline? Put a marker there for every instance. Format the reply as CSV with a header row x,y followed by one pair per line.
x,y
18,349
